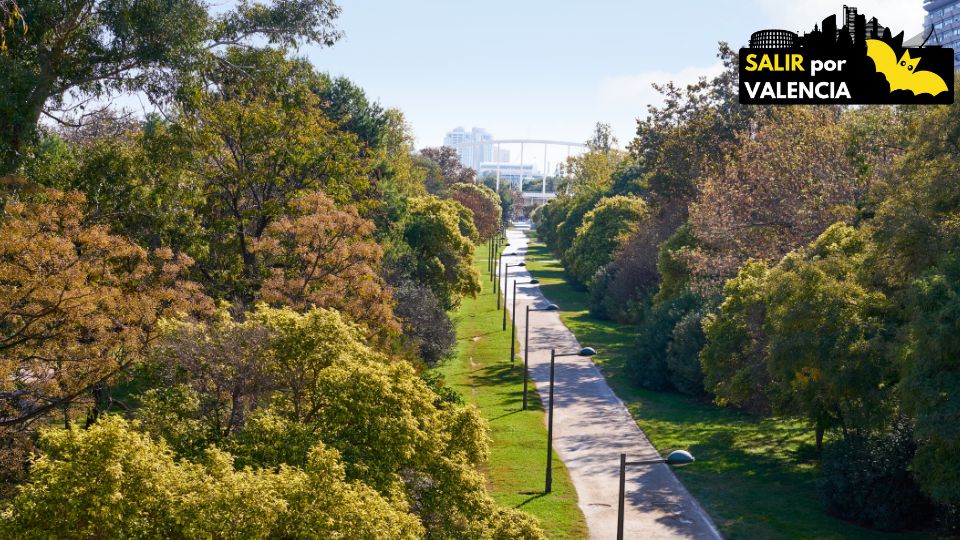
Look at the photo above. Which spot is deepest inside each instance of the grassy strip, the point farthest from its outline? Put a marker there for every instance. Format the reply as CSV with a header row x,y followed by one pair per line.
x,y
757,477
481,372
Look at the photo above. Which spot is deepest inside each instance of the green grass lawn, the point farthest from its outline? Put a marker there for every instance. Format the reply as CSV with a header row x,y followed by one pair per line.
x,y
756,477
481,372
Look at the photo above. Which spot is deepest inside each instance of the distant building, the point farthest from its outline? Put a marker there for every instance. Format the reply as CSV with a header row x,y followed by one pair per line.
x,y
471,154
510,172
941,27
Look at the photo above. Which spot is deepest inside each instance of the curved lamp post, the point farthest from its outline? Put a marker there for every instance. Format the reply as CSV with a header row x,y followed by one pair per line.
x,y
586,351
677,458
513,325
526,347
506,274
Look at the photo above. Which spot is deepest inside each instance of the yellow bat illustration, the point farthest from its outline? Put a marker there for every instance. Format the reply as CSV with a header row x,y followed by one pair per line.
x,y
901,74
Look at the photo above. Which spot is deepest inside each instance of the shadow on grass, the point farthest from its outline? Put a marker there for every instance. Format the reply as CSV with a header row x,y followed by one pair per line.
x,y
536,495
497,375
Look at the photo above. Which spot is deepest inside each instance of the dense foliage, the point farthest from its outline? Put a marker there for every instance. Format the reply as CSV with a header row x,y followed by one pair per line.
x,y
603,231
792,261
214,320
96,48
110,481
485,205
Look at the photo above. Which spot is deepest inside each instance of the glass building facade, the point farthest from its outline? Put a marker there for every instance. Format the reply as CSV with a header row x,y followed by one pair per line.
x,y
943,17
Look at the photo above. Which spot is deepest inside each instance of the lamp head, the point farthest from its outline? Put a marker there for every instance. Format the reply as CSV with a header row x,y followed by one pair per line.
x,y
552,307
679,458
521,264
534,282
587,351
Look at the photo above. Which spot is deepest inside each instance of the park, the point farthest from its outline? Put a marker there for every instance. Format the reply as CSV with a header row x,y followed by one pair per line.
x,y
246,292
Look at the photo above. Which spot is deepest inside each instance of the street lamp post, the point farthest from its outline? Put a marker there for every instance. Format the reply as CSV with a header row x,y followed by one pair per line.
x,y
513,329
490,254
526,348
677,458
506,276
496,279
586,351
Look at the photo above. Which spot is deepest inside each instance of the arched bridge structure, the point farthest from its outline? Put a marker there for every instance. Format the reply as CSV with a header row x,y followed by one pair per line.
x,y
506,170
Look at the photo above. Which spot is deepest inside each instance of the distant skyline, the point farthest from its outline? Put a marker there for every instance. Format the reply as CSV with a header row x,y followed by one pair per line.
x,y
538,69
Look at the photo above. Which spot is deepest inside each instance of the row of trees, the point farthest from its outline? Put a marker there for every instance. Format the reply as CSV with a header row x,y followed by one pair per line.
x,y
792,261
213,320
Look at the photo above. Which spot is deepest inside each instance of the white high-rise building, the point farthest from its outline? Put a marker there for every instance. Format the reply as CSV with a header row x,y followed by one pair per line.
x,y
471,154
943,19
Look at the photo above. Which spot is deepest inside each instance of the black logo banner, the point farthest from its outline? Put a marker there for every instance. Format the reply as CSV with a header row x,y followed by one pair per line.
x,y
858,63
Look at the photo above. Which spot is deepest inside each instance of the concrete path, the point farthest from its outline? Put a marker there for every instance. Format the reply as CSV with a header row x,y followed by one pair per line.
x,y
592,427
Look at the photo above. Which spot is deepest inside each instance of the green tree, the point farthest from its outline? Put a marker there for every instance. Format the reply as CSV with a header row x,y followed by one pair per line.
x,y
319,255
438,234
275,385
485,205
932,378
603,139
682,141
110,481
78,307
602,234
571,219
252,156
783,186
591,171
827,354
734,358
548,217
133,179
97,48
446,163
917,236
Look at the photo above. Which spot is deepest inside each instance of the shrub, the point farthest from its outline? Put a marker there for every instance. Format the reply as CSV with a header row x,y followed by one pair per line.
x,y
634,276
424,322
734,358
647,364
573,217
602,234
601,304
683,353
617,294
548,218
671,267
866,480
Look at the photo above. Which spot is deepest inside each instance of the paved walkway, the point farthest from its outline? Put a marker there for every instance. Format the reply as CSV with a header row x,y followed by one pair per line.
x,y
592,427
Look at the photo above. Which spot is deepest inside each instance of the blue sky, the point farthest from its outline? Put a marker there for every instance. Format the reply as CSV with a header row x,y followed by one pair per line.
x,y
551,69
